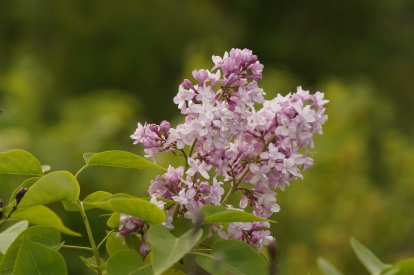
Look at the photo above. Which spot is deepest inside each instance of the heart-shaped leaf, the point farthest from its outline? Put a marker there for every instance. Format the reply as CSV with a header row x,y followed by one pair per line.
x,y
233,257
10,234
20,162
45,235
37,259
128,262
56,186
123,203
120,159
42,215
368,259
167,249
215,213
327,268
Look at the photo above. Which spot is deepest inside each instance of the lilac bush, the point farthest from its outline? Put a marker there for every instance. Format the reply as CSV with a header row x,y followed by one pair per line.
x,y
232,141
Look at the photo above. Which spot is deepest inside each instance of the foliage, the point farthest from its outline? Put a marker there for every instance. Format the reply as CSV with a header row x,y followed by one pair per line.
x,y
371,263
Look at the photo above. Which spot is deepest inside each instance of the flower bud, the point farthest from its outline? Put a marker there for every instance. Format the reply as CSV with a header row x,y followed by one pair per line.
x,y
20,194
187,84
165,127
138,222
154,128
205,187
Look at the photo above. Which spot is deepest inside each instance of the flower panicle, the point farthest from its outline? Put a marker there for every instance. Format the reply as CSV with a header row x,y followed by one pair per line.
x,y
233,141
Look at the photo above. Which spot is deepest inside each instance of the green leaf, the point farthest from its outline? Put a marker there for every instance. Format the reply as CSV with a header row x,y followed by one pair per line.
x,y
42,215
114,244
166,249
27,183
120,159
87,156
96,196
182,225
215,213
406,267
20,162
124,203
113,221
128,262
47,236
34,258
91,263
56,186
393,271
327,268
173,272
45,168
233,257
368,259
10,234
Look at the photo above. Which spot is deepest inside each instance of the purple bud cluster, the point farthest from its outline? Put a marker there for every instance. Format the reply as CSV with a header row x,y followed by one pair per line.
x,y
232,141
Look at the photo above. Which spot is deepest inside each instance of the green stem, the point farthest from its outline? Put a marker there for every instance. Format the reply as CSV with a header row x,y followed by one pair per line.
x,y
201,254
177,207
104,239
77,247
246,170
80,170
89,231
190,152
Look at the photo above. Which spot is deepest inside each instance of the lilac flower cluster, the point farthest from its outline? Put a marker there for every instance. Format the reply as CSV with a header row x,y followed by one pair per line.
x,y
230,142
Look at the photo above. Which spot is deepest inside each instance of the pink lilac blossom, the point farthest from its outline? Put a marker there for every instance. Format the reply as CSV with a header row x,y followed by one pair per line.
x,y
233,141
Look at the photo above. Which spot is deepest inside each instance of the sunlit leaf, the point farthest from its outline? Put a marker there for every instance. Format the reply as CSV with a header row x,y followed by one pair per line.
x,y
128,262
123,203
215,213
45,235
37,259
56,186
20,162
368,259
42,215
121,159
167,249
233,257
327,268
10,234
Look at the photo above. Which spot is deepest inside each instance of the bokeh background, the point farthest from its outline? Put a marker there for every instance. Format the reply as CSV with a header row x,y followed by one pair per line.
x,y
76,76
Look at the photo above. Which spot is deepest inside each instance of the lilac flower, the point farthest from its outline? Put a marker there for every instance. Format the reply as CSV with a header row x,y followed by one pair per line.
x,y
197,167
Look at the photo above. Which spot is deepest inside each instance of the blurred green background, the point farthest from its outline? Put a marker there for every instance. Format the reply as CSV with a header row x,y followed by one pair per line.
x,y
76,76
